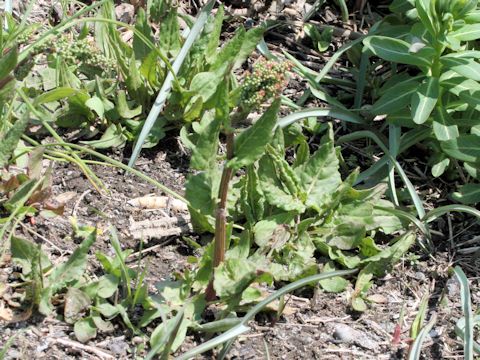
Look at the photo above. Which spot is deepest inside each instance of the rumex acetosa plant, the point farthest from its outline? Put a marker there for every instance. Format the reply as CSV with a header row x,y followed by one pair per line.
x,y
269,215
437,94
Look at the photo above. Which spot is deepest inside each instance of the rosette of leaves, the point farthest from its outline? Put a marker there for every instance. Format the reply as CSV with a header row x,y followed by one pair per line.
x,y
433,87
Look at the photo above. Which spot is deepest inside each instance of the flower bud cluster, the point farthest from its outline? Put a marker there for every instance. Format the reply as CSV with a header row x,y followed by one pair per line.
x,y
82,52
267,81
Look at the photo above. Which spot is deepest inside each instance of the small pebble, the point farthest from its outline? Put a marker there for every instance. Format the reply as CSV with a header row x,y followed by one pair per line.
x,y
346,334
420,276
137,340
453,287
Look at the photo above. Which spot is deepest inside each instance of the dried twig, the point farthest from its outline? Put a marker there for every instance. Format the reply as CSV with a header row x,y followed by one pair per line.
x,y
79,346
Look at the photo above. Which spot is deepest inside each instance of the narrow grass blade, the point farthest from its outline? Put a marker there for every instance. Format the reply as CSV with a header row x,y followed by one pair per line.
x,y
341,114
442,210
372,170
166,339
416,347
315,7
328,66
394,134
419,318
92,177
216,341
413,194
228,337
122,166
124,270
8,343
407,216
167,84
343,9
467,312
362,79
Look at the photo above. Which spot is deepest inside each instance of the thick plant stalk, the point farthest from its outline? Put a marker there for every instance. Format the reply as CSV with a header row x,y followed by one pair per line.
x,y
221,217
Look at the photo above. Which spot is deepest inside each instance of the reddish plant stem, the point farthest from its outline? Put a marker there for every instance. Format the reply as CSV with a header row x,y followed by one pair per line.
x,y
221,218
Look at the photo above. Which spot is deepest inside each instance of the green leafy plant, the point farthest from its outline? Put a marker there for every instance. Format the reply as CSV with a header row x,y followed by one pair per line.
x,y
288,210
43,280
436,90
93,305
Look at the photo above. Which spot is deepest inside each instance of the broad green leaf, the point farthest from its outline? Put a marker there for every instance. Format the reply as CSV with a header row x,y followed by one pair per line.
x,y
151,70
335,284
67,273
385,220
205,83
264,229
424,10
233,276
54,95
35,164
107,309
473,170
214,36
440,166
252,38
201,191
169,37
107,285
250,144
24,253
380,262
472,98
123,109
401,6
8,61
425,99
252,198
468,194
85,330
444,127
140,49
10,141
229,51
7,89
289,179
96,104
464,148
205,151
113,137
467,32
319,176
395,50
193,109
276,193
396,98
466,67
362,285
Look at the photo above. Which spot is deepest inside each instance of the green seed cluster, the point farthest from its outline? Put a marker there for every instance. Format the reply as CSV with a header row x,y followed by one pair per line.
x,y
267,81
82,52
